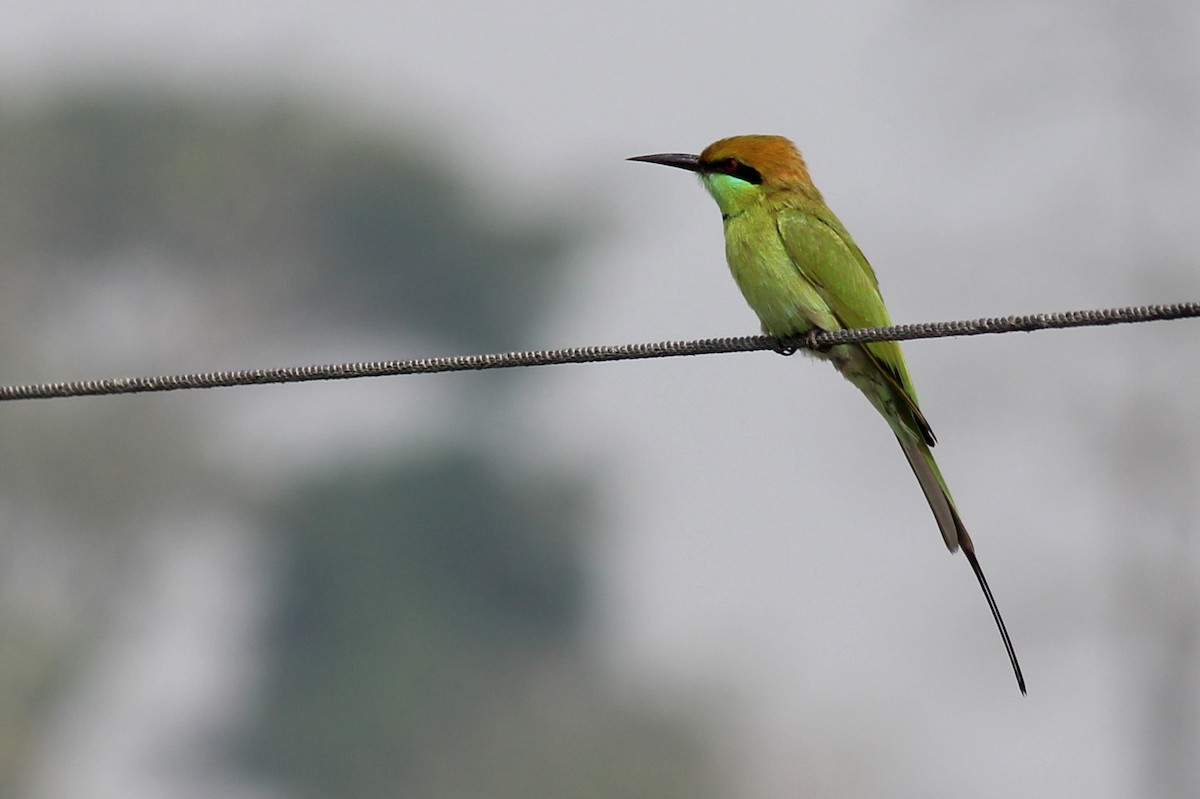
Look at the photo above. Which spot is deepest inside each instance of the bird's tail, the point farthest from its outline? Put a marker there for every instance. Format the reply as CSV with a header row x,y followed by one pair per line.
x,y
953,531
936,494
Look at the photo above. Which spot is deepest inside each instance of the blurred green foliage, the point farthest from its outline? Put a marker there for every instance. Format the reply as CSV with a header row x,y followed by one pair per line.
x,y
426,635
352,227
427,643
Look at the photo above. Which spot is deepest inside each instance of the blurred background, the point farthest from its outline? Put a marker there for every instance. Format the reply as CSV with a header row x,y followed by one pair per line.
x,y
705,577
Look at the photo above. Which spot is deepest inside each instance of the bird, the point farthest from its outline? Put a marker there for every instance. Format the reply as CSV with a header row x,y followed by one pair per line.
x,y
799,270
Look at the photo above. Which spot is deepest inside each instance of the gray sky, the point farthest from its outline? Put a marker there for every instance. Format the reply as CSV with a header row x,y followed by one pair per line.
x,y
765,543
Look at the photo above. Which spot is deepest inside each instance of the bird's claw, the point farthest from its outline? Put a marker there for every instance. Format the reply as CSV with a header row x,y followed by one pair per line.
x,y
790,345
785,346
811,341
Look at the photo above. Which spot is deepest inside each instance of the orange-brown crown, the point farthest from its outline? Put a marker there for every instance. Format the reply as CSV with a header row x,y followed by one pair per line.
x,y
775,158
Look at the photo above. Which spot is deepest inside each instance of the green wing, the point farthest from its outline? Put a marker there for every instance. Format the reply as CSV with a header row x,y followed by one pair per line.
x,y
828,258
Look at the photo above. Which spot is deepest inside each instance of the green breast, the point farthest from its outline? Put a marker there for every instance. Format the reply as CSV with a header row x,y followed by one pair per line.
x,y
784,301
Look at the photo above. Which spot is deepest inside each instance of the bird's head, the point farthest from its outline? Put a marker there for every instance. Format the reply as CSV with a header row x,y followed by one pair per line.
x,y
741,171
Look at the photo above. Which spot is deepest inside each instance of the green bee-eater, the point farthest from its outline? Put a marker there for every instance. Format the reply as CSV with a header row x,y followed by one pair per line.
x,y
799,269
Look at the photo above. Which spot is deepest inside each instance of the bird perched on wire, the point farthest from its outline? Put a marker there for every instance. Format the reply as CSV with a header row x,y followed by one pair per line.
x,y
799,270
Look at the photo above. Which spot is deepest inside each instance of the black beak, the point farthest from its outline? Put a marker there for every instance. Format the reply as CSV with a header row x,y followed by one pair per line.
x,y
681,160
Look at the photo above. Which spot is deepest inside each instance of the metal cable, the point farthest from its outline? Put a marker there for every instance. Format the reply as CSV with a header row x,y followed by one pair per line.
x,y
816,340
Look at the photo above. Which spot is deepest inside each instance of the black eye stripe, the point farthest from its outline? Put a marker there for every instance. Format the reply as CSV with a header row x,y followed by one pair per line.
x,y
735,168
746,173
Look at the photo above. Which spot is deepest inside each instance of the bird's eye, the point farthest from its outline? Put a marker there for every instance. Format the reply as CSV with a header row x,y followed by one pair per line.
x,y
736,169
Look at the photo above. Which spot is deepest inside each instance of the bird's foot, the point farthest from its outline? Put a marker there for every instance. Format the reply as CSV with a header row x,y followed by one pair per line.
x,y
784,346
790,345
812,342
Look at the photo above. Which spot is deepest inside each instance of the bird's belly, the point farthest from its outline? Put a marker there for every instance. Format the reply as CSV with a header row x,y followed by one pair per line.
x,y
786,304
